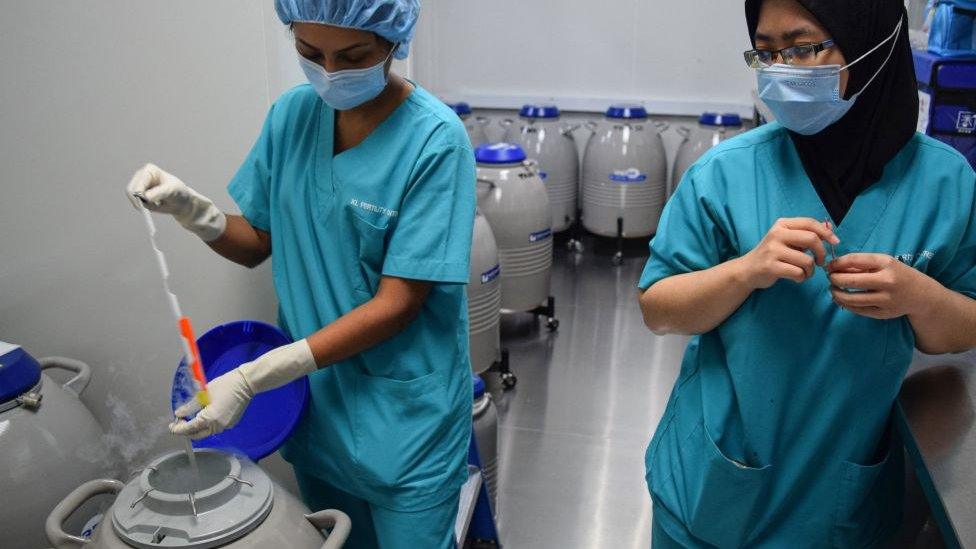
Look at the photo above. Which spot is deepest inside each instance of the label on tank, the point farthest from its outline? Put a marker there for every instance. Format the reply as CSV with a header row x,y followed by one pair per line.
x,y
491,274
966,122
540,235
633,175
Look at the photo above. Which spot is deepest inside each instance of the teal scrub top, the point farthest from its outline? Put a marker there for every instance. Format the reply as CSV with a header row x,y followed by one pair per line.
x,y
390,425
777,431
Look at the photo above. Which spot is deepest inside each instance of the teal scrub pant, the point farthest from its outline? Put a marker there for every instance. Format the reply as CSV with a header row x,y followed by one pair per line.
x,y
660,539
375,527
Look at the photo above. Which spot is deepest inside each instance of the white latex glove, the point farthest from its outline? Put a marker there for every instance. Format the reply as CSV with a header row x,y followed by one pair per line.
x,y
165,193
231,393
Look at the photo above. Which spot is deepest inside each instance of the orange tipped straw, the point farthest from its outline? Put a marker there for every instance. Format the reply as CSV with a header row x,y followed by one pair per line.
x,y
196,365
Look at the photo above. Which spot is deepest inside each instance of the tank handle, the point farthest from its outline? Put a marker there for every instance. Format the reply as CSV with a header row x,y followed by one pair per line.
x,y
336,520
661,126
75,385
484,121
683,131
533,166
506,123
54,526
489,182
591,125
568,129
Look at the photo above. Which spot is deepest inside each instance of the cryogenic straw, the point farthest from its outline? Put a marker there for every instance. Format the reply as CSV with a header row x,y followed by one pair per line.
x,y
830,245
190,351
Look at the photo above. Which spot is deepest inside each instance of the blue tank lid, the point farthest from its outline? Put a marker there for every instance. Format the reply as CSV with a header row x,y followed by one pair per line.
x,y
272,416
462,108
539,111
499,153
627,112
715,119
19,372
479,386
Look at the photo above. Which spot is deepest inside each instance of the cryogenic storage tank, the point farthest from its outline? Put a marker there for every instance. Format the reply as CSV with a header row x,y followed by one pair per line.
x,y
516,204
227,501
485,421
44,431
712,129
624,175
484,297
546,140
475,125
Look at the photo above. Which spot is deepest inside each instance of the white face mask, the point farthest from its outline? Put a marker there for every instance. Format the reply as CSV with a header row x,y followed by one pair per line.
x,y
347,89
807,100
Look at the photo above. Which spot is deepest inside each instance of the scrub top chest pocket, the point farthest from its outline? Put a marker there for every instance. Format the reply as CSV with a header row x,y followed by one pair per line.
x,y
366,233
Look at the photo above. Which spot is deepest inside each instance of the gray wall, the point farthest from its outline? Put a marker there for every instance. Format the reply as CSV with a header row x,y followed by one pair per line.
x,y
91,91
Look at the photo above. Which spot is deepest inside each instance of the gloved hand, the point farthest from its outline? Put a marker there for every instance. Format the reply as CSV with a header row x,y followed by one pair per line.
x,y
165,193
231,393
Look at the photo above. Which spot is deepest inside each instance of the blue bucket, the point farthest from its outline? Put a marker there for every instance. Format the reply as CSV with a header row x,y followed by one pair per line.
x,y
273,415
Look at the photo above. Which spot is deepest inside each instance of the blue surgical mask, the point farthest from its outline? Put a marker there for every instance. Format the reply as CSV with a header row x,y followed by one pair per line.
x,y
807,99
348,89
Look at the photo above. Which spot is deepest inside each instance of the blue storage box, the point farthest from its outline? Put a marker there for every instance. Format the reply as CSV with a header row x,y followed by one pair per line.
x,y
952,32
947,100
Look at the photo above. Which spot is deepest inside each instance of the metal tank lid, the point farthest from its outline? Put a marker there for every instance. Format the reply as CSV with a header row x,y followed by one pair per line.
x,y
19,372
479,386
461,108
539,111
499,153
721,120
627,112
167,505
271,416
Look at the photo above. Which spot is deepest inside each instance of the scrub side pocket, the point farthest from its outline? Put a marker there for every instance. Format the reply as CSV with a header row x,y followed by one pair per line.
x,y
869,499
398,430
370,243
714,496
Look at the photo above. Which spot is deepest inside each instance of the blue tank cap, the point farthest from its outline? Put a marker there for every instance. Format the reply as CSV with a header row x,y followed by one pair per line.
x,y
725,120
499,153
462,108
272,416
19,372
539,111
479,386
627,112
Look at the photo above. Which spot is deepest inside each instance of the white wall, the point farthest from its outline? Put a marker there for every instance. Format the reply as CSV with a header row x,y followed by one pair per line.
x,y
676,57
90,91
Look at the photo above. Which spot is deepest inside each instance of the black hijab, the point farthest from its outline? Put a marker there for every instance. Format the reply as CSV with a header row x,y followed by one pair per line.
x,y
849,156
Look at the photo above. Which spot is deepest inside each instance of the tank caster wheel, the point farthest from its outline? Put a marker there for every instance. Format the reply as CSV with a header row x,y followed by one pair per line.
x,y
618,259
552,324
574,246
508,380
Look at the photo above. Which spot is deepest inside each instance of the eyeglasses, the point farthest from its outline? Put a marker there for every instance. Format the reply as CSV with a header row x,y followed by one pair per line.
x,y
795,55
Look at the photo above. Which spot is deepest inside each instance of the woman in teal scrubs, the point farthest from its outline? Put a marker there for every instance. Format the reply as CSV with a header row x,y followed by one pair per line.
x,y
808,258
361,190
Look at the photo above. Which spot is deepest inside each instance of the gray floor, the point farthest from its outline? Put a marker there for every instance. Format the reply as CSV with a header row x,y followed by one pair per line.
x,y
573,431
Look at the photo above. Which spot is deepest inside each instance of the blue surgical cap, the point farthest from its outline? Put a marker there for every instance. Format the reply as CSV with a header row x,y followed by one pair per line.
x,y
391,19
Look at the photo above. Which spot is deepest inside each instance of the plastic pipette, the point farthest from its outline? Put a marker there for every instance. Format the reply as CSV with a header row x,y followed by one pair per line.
x,y
189,341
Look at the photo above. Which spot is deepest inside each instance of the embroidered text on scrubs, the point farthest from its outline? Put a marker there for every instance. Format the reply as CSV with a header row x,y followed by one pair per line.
x,y
373,208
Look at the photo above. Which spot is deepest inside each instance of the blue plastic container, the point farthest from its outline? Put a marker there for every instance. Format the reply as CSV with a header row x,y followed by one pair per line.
x,y
272,415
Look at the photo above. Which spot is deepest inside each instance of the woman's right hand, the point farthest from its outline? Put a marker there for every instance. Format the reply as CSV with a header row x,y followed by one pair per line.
x,y
163,192
782,252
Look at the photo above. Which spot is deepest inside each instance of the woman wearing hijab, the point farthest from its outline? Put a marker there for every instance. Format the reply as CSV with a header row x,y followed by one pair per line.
x,y
808,258
361,190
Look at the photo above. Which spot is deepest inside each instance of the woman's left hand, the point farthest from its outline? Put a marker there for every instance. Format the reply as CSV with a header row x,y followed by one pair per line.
x,y
884,287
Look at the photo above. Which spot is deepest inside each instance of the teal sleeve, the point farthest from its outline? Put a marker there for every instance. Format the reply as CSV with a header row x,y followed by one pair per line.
x,y
960,274
689,236
432,237
251,186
